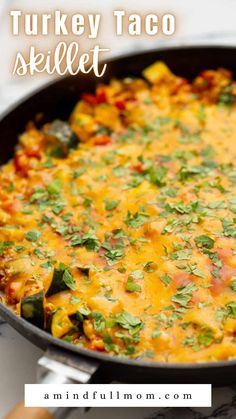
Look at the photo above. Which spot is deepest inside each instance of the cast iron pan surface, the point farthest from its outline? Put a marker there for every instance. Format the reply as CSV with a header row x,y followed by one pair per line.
x,y
56,100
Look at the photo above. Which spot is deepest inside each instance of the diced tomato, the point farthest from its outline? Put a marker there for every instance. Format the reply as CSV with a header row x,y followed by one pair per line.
x,y
217,286
208,76
90,99
179,84
3,281
138,167
12,291
23,162
113,241
33,152
224,254
195,299
120,104
13,206
226,273
99,349
181,279
17,162
102,140
101,254
94,100
97,345
101,96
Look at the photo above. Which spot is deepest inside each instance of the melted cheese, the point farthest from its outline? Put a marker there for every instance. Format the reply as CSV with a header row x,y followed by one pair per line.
x,y
147,204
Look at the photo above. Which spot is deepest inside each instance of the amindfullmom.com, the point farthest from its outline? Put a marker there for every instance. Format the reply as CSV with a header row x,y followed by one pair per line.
x,y
115,395
118,395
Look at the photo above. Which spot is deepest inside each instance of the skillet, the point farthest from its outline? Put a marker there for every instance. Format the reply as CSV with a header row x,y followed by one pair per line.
x,y
56,100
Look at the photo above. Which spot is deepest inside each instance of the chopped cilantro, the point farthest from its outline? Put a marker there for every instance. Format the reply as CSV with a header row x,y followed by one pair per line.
x,y
150,266
156,334
184,294
119,171
136,220
232,309
189,341
108,343
192,269
204,241
69,280
89,240
114,254
166,279
229,227
33,235
233,284
158,176
98,321
54,188
74,300
205,338
187,172
4,246
131,285
128,321
110,205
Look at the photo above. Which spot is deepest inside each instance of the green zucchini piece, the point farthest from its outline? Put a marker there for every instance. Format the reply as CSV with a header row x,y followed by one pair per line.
x,y
62,280
61,323
64,135
32,309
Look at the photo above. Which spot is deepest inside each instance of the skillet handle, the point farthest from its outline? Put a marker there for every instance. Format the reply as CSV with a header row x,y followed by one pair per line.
x,y
19,412
57,366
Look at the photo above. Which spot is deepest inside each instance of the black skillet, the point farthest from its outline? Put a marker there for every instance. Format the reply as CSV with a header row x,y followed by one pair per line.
x,y
57,100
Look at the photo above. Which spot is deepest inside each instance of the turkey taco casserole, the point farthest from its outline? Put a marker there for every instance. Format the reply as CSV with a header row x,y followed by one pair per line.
x,y
118,227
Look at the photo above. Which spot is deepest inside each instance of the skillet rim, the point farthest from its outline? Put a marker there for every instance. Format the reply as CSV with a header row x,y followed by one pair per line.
x,y
33,333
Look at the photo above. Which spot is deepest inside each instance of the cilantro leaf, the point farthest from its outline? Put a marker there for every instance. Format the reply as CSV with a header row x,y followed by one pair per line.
x,y
136,220
166,279
110,205
98,321
232,309
131,285
4,246
233,284
69,280
128,321
205,338
157,176
184,294
204,241
33,235
54,188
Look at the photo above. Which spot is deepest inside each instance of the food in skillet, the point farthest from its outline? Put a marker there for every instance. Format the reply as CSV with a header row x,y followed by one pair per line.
x,y
117,229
